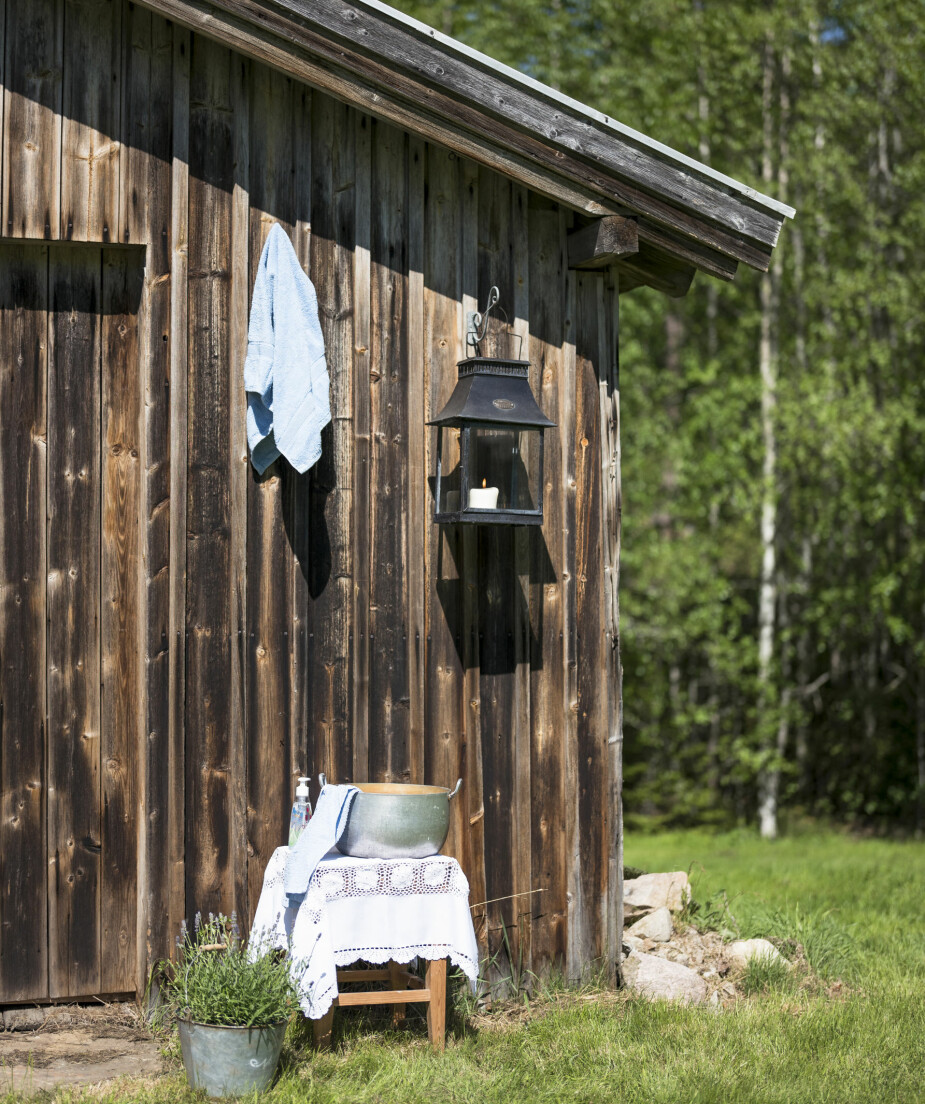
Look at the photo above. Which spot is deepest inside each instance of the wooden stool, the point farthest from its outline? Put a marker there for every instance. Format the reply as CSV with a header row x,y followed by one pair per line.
x,y
406,989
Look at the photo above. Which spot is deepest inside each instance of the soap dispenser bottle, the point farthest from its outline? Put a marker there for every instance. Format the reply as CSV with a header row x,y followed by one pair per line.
x,y
301,811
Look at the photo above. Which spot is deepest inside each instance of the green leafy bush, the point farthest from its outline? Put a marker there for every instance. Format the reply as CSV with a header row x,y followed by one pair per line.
x,y
215,980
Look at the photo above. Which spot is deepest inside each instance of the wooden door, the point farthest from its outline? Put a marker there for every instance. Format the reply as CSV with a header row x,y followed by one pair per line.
x,y
70,571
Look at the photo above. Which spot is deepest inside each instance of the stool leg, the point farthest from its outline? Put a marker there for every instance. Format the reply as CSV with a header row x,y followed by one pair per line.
x,y
322,1029
436,1009
396,982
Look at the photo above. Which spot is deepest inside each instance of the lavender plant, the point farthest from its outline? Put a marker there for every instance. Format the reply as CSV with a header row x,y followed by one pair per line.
x,y
216,981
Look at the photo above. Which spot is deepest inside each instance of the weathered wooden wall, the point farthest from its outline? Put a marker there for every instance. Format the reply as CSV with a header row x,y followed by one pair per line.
x,y
211,634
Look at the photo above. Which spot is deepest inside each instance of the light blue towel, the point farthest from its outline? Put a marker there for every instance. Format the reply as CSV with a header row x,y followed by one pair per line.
x,y
318,838
285,374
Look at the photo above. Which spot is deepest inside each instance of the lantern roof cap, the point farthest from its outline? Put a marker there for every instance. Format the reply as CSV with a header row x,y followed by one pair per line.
x,y
495,391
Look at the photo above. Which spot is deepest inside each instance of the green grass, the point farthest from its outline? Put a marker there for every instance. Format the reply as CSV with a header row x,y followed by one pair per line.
x,y
855,905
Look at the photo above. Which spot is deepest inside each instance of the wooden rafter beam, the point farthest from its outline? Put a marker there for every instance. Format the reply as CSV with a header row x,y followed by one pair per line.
x,y
603,242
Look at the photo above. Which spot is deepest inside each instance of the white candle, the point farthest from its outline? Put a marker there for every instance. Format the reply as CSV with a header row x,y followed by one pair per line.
x,y
483,498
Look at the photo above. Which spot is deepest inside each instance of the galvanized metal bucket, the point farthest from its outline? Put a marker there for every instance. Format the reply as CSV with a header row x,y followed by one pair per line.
x,y
230,1061
391,820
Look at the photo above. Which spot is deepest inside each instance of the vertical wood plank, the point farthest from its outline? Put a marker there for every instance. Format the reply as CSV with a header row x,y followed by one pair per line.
x,y
73,655
498,596
269,600
120,609
331,562
389,690
2,105
239,470
34,48
147,110
611,501
569,709
523,538
416,522
443,347
210,738
475,789
178,345
298,490
90,139
362,298
593,662
547,693
23,373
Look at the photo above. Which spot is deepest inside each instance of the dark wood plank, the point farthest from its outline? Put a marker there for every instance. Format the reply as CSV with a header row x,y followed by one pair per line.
x,y
269,598
147,109
389,689
73,649
444,752
297,489
362,447
178,345
474,836
239,475
592,657
90,138
23,374
568,712
120,615
210,739
547,682
611,507
524,538
33,50
601,242
331,562
499,598
416,519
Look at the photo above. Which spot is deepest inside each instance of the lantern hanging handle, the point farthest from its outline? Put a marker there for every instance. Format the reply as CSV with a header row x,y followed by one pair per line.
x,y
478,323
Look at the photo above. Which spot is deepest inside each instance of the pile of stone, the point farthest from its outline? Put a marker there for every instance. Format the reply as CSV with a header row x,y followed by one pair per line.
x,y
665,959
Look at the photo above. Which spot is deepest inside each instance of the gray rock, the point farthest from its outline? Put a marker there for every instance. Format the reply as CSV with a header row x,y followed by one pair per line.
x,y
658,979
656,925
633,941
653,891
23,1019
743,951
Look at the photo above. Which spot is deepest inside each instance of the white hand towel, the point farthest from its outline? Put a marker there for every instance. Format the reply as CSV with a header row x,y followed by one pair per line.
x,y
318,838
285,373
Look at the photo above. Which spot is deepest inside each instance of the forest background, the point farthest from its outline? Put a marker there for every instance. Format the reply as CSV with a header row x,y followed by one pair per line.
x,y
772,588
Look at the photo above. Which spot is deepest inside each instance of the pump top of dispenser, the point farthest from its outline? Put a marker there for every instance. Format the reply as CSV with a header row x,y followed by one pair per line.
x,y
302,789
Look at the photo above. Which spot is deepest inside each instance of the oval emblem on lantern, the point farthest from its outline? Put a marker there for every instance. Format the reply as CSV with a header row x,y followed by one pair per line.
x,y
502,404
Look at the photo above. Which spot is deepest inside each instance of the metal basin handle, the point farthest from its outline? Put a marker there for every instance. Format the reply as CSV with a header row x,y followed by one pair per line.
x,y
455,790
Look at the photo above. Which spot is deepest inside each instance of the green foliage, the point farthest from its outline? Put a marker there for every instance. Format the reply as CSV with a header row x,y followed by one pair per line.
x,y
840,138
215,980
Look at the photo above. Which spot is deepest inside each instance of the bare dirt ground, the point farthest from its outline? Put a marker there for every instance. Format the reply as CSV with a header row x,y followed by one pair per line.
x,y
76,1045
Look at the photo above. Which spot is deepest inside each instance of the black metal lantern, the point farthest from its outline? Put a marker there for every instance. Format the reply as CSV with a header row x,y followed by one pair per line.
x,y
490,441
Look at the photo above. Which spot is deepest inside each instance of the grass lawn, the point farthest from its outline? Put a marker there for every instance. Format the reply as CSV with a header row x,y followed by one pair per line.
x,y
856,904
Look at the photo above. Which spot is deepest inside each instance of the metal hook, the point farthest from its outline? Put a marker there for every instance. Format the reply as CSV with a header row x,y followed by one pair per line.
x,y
478,323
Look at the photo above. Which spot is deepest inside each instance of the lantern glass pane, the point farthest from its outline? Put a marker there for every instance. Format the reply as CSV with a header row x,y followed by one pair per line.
x,y
506,459
450,471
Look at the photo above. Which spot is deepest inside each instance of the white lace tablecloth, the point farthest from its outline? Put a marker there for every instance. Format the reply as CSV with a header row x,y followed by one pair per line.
x,y
369,909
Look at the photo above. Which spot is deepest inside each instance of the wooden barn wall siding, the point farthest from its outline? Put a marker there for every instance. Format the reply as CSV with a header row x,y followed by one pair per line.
x,y
253,628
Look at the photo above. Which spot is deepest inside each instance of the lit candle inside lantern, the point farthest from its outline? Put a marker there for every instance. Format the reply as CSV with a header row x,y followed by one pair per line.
x,y
483,498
